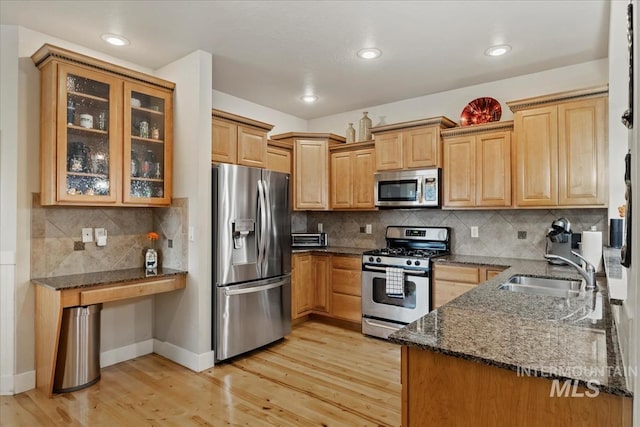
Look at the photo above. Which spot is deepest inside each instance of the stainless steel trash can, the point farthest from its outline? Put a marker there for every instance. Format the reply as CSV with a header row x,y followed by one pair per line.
x,y
78,362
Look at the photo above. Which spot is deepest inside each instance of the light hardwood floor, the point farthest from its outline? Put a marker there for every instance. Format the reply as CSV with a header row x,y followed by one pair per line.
x,y
319,375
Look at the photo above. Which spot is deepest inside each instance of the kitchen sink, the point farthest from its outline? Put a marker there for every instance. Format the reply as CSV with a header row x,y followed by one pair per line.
x,y
548,286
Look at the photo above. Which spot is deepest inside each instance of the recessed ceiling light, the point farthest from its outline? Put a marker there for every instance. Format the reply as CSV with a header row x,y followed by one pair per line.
x,y
309,98
369,53
497,50
115,39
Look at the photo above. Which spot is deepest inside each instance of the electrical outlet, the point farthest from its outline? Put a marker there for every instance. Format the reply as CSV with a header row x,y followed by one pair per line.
x,y
170,243
87,235
78,246
474,231
522,235
368,229
320,227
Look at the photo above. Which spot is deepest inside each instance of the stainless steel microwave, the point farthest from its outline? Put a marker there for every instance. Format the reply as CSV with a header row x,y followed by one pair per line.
x,y
408,189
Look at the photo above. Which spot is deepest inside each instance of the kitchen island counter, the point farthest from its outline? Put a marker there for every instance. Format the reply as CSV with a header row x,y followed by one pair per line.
x,y
492,355
564,338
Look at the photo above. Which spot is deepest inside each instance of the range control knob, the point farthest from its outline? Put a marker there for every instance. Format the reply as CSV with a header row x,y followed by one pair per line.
x,y
417,263
408,262
370,259
378,259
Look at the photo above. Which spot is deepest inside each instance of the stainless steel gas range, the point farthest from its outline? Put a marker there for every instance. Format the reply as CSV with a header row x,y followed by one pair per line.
x,y
396,280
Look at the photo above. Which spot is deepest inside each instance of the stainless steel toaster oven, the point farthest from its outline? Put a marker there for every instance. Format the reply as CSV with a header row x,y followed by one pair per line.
x,y
309,240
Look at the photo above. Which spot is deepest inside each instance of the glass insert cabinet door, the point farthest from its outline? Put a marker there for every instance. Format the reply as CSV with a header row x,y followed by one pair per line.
x,y
88,138
147,145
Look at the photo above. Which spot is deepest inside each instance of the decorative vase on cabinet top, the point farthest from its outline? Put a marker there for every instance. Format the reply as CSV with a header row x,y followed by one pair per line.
x,y
351,133
365,128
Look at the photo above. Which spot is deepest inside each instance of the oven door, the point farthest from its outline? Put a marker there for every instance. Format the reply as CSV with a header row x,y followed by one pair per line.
x,y
377,304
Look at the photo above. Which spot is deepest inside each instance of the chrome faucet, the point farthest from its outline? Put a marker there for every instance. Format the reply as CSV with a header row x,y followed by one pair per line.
x,y
589,272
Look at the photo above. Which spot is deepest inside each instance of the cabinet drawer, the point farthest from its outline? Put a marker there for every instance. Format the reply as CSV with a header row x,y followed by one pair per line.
x,y
133,290
457,273
444,291
347,307
347,262
346,281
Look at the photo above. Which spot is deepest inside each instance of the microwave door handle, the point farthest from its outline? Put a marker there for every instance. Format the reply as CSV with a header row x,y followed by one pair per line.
x,y
419,195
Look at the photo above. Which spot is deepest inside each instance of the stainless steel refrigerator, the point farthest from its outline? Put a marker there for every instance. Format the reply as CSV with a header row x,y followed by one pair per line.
x,y
251,258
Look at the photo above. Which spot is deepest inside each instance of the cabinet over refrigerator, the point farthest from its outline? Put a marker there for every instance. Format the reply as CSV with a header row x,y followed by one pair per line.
x,y
251,224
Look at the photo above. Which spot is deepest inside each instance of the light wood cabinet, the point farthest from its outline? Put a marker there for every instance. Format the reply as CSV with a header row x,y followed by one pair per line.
x,y
238,140
561,149
352,170
310,168
321,271
106,133
410,145
279,157
346,288
438,388
452,280
328,285
301,290
310,284
477,166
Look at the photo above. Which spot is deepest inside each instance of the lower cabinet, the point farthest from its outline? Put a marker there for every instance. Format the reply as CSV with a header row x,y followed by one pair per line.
x,y
326,284
346,288
452,280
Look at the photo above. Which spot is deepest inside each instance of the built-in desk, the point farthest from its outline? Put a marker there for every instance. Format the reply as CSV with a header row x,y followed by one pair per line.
x,y
53,294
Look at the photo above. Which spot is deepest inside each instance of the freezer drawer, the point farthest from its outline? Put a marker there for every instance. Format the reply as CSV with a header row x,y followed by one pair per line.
x,y
251,315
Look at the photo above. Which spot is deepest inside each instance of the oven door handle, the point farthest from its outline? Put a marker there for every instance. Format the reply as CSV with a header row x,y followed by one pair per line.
x,y
405,271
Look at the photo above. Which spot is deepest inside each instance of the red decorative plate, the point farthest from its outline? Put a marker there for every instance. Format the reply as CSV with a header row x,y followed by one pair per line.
x,y
481,110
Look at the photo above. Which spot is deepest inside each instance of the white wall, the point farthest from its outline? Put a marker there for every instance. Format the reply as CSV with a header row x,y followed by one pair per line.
x,y
451,103
282,122
183,319
8,206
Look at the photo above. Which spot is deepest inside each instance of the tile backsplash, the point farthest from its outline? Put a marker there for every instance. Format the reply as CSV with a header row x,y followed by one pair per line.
x,y
497,229
54,230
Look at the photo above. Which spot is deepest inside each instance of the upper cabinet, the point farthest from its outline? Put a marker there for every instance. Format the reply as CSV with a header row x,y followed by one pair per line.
x,y
238,140
279,156
310,167
352,169
477,165
106,132
561,149
410,145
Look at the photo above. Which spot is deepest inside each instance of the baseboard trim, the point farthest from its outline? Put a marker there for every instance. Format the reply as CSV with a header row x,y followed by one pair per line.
x,y
128,352
16,384
195,362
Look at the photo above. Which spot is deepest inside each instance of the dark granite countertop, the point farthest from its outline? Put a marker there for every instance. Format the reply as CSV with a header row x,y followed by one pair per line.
x,y
332,249
566,338
60,283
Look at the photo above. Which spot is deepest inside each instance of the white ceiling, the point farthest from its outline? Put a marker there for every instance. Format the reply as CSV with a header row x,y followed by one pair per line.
x,y
272,52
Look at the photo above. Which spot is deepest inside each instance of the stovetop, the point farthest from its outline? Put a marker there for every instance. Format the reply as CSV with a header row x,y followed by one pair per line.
x,y
405,252
409,247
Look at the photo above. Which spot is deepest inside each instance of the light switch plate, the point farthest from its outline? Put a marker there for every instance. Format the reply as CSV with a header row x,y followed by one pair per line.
x,y
87,235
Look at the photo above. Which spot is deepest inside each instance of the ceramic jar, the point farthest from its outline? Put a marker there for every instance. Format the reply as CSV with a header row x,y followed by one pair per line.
x,y
365,128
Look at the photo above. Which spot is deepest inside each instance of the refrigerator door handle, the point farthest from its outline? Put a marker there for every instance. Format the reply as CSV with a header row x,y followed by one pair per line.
x,y
230,292
263,226
269,227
